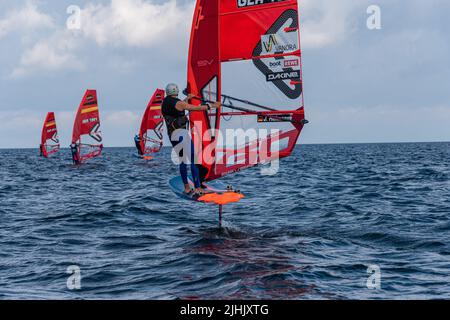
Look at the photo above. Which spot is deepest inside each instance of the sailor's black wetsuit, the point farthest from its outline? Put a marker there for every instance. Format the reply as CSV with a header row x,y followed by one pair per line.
x,y
137,141
74,149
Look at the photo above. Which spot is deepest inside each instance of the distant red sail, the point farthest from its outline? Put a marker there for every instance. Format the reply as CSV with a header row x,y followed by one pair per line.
x,y
49,139
151,138
86,129
245,54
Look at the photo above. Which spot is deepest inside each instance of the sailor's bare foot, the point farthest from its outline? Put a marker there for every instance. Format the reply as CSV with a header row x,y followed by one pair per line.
x,y
187,189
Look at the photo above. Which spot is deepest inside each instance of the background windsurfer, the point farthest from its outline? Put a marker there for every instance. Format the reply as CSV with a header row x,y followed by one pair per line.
x,y
137,141
173,110
74,149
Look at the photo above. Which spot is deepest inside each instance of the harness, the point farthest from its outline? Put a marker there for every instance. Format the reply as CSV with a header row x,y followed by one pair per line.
x,y
175,123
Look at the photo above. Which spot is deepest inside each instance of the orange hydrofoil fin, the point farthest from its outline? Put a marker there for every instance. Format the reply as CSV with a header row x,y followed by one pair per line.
x,y
222,199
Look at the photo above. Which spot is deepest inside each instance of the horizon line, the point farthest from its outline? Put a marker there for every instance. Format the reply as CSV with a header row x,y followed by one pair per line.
x,y
300,144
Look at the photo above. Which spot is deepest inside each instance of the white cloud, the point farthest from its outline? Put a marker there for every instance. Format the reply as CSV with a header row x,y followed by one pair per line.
x,y
120,23
25,19
328,22
136,23
54,53
163,26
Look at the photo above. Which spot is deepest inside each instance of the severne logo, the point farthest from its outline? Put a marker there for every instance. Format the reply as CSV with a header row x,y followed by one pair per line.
x,y
251,3
55,138
95,134
205,63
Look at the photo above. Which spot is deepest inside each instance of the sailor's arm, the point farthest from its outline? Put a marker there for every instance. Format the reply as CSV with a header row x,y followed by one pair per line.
x,y
182,105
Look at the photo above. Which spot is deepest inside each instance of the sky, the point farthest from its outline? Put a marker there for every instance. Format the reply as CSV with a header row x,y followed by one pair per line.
x,y
361,85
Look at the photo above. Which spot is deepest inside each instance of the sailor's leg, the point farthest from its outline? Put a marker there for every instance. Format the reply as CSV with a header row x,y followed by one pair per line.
x,y
183,173
195,175
194,168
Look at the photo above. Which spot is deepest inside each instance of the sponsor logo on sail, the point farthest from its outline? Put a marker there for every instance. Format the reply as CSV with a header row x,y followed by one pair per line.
x,y
251,3
205,63
291,63
89,120
271,45
275,64
287,79
289,75
269,42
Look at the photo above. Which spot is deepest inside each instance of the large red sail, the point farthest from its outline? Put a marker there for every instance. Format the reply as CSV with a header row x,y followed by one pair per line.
x,y
245,54
151,138
86,130
49,138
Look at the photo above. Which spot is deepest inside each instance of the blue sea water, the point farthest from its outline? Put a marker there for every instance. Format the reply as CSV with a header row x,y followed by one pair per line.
x,y
309,232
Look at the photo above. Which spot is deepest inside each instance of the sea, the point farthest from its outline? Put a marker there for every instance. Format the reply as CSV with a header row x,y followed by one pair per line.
x,y
350,221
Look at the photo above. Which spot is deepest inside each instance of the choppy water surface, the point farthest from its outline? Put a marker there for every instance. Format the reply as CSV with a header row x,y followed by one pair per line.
x,y
310,232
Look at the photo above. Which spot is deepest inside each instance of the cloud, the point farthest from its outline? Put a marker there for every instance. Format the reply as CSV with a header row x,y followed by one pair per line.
x,y
25,19
54,53
136,23
162,26
119,24
328,22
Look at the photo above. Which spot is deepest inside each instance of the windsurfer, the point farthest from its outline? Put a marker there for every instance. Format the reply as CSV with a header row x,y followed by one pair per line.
x,y
74,149
173,110
137,141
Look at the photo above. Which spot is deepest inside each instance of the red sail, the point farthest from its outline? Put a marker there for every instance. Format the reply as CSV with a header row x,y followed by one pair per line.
x,y
151,138
245,54
86,129
49,139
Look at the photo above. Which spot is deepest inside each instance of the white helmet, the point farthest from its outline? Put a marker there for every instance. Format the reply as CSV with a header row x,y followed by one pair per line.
x,y
172,90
